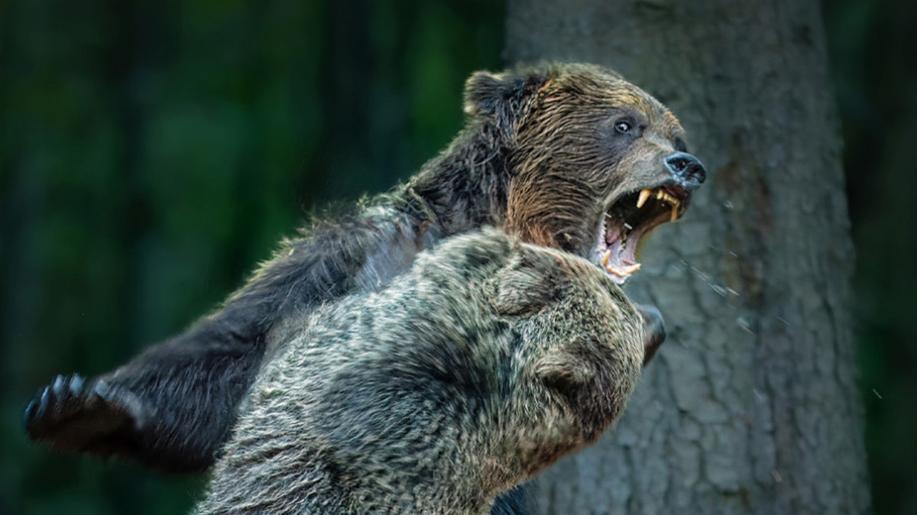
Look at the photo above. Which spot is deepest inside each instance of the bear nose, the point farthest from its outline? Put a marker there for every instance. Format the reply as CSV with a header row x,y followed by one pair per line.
x,y
687,169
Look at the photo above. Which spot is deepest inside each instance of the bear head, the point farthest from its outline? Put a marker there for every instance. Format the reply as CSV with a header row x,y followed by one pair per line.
x,y
595,163
576,355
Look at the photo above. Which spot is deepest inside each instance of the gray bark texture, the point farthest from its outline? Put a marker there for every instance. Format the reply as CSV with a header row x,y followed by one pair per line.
x,y
751,406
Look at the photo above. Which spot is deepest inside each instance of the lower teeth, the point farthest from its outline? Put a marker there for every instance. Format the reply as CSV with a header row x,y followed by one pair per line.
x,y
623,272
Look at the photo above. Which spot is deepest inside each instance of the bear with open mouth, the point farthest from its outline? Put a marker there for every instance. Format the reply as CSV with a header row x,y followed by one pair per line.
x,y
567,156
485,363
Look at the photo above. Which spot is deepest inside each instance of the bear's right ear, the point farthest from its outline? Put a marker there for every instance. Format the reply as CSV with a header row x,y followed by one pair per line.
x,y
498,95
563,372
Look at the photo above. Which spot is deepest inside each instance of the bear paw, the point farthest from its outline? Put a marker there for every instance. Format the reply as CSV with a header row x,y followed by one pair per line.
x,y
73,414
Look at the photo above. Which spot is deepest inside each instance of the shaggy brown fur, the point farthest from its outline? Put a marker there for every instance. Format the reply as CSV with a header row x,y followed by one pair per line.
x,y
540,156
568,165
485,363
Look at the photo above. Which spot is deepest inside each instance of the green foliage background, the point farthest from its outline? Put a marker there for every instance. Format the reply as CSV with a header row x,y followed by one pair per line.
x,y
152,153
874,63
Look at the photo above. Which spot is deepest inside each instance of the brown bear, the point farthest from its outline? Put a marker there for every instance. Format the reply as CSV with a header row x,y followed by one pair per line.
x,y
568,156
470,373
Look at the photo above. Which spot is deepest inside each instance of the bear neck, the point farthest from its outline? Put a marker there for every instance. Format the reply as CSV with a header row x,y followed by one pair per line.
x,y
465,186
377,486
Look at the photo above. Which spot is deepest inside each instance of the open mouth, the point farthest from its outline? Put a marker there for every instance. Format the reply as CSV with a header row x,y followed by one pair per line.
x,y
629,219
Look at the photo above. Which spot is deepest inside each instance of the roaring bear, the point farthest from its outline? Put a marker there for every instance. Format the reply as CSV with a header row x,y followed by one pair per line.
x,y
568,156
479,367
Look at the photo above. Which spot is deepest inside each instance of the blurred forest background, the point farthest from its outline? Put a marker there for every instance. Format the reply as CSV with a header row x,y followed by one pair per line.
x,y
151,154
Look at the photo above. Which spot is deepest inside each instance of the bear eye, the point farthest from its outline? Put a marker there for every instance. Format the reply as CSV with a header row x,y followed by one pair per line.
x,y
623,126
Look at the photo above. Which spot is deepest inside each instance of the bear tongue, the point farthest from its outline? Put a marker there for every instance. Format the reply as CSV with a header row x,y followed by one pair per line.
x,y
619,258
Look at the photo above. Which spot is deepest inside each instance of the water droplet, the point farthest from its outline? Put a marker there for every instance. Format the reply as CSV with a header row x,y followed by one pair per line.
x,y
745,325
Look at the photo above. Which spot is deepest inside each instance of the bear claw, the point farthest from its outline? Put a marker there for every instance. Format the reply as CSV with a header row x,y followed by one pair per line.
x,y
71,413
51,401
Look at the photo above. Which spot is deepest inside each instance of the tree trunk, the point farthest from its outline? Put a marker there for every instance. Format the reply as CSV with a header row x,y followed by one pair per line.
x,y
751,406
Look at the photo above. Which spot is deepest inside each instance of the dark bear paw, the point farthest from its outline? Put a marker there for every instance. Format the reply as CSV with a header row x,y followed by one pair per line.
x,y
74,414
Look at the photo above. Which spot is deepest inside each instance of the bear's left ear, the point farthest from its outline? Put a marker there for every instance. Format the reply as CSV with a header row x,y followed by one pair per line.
x,y
498,95
530,281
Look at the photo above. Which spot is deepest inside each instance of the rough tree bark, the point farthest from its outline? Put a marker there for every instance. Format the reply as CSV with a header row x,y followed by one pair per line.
x,y
751,407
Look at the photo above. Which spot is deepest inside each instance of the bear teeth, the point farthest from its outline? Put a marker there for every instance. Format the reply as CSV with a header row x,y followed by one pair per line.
x,y
644,196
623,271
663,196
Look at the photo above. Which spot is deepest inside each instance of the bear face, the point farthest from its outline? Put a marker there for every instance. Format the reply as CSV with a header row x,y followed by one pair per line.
x,y
578,357
595,162
579,341
485,363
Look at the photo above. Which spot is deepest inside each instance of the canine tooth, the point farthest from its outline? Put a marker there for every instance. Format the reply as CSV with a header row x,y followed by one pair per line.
x,y
632,268
605,257
659,194
674,213
644,196
624,271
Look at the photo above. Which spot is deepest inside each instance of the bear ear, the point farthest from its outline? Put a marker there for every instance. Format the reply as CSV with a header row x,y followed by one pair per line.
x,y
497,95
530,281
562,372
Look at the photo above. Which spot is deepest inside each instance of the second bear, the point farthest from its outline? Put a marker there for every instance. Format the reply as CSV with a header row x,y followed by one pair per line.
x,y
484,364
